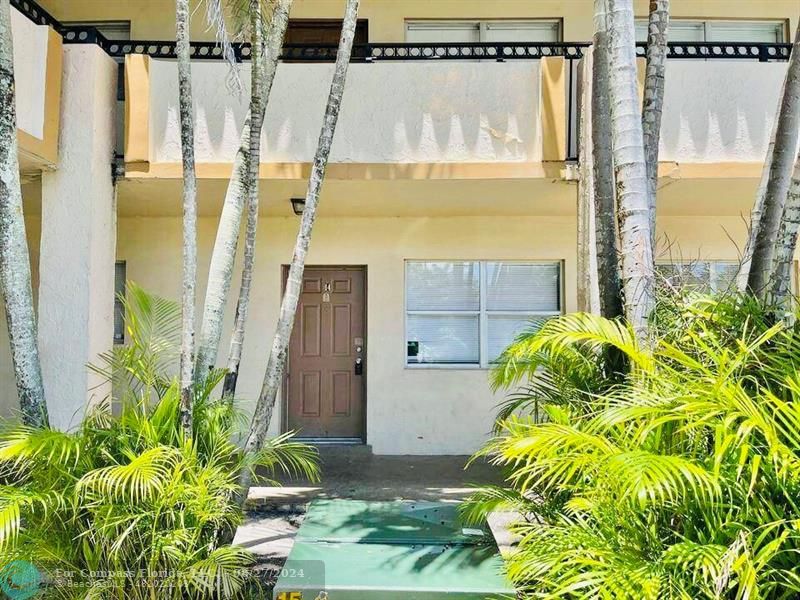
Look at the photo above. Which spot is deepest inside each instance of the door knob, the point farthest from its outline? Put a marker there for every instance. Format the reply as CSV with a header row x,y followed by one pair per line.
x,y
359,366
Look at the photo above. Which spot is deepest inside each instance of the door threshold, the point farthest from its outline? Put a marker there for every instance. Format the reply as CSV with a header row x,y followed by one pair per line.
x,y
332,441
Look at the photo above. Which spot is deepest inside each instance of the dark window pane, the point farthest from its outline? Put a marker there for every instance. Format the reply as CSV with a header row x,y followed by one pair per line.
x,y
120,276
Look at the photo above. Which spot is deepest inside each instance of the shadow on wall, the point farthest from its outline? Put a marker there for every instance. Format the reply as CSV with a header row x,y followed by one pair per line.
x,y
719,111
392,112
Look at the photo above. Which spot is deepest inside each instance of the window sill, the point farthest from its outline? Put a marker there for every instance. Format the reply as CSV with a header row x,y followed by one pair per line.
x,y
445,367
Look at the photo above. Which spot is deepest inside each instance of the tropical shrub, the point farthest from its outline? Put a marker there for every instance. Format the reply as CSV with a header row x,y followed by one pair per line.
x,y
125,506
678,477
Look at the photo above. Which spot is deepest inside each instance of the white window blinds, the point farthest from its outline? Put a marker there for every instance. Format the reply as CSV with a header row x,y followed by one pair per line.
x,y
525,287
520,31
679,31
467,312
444,31
443,286
718,31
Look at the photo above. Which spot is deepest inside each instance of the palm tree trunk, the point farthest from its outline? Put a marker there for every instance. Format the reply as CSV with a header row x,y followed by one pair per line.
x,y
277,357
603,172
223,254
786,243
15,266
758,203
189,212
758,208
253,163
588,290
787,133
638,282
653,103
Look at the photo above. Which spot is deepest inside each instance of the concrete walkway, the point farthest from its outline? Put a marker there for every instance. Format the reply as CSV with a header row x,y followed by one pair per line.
x,y
354,472
274,514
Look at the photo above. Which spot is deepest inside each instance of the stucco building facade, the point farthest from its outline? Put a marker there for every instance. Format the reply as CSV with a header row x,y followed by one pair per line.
x,y
451,189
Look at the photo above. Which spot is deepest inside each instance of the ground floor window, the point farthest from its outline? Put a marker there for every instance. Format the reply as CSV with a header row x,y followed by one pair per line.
x,y
467,312
716,276
120,278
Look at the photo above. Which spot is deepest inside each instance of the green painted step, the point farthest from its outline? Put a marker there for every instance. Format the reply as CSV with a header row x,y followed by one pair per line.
x,y
351,571
356,550
389,523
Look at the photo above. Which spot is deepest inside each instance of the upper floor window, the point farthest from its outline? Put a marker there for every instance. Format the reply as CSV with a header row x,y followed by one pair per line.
x,y
112,30
685,30
323,31
455,31
467,312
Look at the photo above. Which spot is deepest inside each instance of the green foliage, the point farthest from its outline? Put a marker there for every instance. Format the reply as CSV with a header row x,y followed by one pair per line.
x,y
125,495
678,478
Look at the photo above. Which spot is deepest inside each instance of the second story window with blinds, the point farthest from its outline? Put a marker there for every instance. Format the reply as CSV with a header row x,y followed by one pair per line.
x,y
455,31
694,30
462,313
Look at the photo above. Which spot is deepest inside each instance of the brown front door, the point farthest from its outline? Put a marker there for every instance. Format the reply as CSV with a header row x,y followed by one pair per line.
x,y
327,353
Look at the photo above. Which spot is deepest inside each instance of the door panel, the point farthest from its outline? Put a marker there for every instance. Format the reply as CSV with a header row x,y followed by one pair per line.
x,y
324,388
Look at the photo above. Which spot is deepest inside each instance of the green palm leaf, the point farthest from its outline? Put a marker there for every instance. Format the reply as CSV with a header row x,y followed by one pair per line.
x,y
139,480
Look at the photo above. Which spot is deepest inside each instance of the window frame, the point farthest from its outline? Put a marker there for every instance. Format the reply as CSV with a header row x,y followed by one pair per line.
x,y
119,305
483,313
707,26
712,263
482,25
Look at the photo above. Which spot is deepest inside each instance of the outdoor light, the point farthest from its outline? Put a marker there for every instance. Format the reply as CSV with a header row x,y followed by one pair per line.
x,y
298,204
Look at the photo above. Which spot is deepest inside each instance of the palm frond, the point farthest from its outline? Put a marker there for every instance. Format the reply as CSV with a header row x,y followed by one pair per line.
x,y
220,573
23,444
149,358
283,454
217,22
16,502
678,479
138,480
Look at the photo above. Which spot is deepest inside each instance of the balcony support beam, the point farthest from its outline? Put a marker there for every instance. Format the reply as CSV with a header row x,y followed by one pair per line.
x,y
554,108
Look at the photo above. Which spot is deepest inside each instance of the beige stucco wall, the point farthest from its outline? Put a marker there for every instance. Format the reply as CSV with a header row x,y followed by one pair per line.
x,y
423,411
392,112
155,19
30,73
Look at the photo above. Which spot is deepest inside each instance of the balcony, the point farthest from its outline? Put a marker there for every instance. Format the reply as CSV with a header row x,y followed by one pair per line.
x,y
410,109
720,112
37,72
433,116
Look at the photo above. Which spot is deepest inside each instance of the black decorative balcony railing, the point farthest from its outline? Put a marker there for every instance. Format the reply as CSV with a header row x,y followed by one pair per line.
x,y
394,51
375,52
35,13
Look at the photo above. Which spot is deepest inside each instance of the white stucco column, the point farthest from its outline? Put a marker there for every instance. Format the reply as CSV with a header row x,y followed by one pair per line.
x,y
76,285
